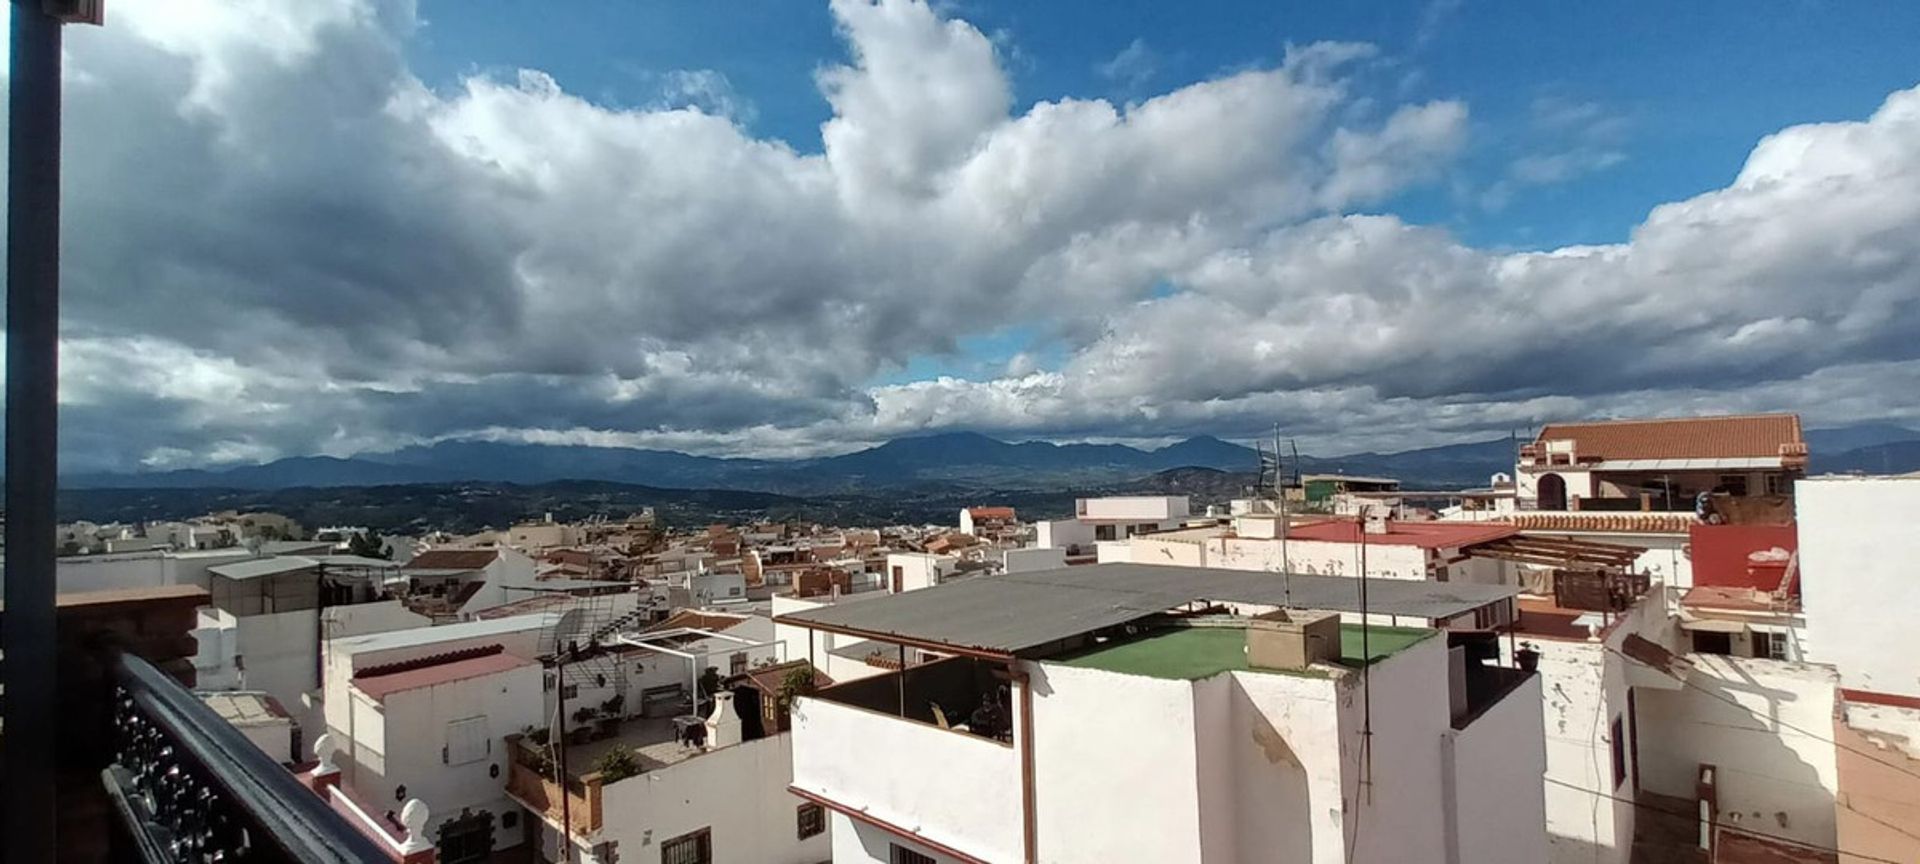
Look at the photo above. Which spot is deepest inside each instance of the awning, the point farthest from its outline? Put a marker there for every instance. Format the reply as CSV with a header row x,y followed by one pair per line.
x,y
1713,625
1558,552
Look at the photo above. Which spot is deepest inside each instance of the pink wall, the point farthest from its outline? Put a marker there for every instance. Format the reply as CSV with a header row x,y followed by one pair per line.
x,y
1720,555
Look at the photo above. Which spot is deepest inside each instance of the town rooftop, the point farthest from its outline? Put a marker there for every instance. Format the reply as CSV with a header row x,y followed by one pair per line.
x,y
1024,613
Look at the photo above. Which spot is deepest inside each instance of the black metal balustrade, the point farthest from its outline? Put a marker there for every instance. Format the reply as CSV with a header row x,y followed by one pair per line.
x,y
192,788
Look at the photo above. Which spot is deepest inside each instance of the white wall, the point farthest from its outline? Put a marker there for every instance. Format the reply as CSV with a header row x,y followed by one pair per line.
x,y
274,739
1136,508
1283,763
1860,578
1497,767
1527,484
1584,687
361,619
738,792
918,570
214,648
856,842
102,572
1030,560
1112,750
1779,779
415,733
1184,553
1410,713
279,653
1316,557
1062,534
862,758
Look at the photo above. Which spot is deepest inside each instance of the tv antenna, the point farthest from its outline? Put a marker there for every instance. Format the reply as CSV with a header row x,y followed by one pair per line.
x,y
573,646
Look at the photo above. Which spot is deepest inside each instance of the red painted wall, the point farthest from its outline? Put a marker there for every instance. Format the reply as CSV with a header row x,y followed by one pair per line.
x,y
1720,555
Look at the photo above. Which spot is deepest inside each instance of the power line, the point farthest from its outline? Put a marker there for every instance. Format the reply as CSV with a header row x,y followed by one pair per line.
x,y
1694,817
1777,721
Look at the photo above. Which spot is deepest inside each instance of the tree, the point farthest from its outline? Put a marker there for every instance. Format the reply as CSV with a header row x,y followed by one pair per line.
x,y
796,683
616,765
368,544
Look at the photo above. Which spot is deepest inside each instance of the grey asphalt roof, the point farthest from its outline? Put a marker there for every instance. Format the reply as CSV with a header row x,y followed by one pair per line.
x,y
1008,614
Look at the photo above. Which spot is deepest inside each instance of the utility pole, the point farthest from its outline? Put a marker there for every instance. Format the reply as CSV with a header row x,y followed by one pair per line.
x,y
33,345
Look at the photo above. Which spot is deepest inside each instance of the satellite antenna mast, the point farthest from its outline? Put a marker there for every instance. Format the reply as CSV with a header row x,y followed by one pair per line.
x,y
1285,524
572,645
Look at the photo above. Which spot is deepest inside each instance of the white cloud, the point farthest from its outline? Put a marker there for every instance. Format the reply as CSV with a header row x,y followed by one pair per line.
x,y
338,258
1133,66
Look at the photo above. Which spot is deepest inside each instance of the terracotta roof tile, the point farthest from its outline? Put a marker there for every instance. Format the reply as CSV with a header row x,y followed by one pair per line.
x,y
379,682
1725,437
452,559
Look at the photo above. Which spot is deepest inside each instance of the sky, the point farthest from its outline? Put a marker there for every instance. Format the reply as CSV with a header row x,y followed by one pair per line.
x,y
785,229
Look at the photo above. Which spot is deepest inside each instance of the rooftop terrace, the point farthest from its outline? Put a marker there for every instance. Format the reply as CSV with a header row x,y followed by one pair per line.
x,y
1192,653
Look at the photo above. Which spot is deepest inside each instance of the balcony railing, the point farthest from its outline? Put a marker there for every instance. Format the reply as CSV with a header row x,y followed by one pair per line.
x,y
146,771
190,787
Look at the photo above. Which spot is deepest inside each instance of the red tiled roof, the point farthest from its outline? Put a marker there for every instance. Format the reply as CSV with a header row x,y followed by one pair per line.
x,y
767,679
1426,535
990,512
379,682
452,559
1725,437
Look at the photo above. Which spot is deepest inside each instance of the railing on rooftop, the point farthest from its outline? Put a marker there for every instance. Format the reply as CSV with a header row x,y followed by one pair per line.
x,y
532,778
189,786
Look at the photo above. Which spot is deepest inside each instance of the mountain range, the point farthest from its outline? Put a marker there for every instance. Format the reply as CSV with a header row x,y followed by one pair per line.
x,y
943,464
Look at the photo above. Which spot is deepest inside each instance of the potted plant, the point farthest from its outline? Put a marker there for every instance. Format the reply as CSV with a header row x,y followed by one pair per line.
x,y
616,765
1528,657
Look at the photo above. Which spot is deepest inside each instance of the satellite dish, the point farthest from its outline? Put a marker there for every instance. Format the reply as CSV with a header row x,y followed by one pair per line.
x,y
564,632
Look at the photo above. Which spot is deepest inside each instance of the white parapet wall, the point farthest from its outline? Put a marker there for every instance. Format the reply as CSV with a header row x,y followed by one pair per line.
x,y
955,789
1860,578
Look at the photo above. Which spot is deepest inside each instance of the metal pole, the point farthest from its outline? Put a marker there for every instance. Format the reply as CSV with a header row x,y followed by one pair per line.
x,y
559,739
33,334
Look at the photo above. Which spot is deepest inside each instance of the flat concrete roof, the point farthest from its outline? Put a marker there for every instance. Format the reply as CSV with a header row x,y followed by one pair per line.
x,y
1003,616
1192,653
417,636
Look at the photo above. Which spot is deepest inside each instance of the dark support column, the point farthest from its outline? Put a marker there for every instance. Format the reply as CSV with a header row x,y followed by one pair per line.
x,y
33,331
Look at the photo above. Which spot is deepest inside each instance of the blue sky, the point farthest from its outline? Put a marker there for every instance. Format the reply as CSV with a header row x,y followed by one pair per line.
x,y
1690,87
793,228
1640,102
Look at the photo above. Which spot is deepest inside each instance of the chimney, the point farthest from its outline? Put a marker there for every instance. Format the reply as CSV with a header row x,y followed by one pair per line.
x,y
723,727
1292,639
1375,521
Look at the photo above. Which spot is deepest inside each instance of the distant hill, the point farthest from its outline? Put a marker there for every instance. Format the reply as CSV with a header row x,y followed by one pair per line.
x,y
1823,442
1895,457
929,464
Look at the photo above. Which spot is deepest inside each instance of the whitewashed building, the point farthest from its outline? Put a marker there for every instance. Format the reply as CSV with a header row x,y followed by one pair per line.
x,y
1113,713
1097,520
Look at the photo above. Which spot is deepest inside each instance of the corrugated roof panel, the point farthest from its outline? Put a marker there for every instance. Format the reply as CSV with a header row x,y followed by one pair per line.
x,y
1004,615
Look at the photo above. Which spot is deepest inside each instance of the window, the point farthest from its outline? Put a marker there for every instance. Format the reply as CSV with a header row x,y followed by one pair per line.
x,y
571,691
694,848
1734,484
1619,743
902,855
811,820
737,663
1709,642
467,741
1772,646
1105,532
